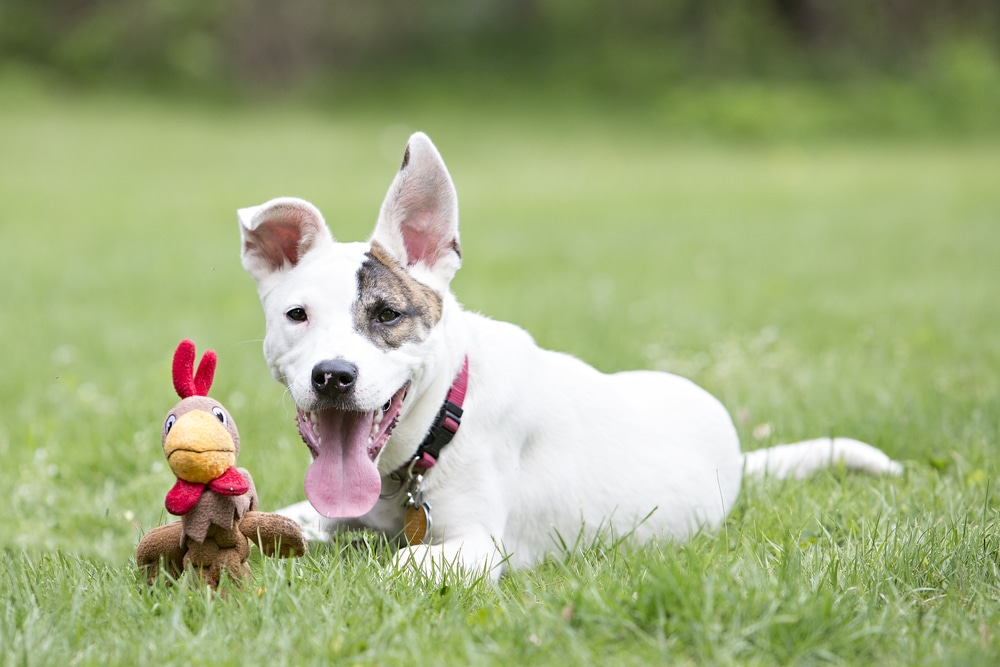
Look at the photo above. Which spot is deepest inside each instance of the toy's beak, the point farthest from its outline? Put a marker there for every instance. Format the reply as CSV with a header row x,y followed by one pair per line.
x,y
199,448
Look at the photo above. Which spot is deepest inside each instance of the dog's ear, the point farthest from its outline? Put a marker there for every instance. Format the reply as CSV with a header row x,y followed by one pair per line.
x,y
278,233
418,222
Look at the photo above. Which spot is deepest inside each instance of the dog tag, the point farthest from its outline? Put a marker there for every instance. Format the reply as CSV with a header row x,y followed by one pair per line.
x,y
417,525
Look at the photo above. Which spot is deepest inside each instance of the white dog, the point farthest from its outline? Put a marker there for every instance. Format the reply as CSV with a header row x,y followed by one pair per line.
x,y
383,365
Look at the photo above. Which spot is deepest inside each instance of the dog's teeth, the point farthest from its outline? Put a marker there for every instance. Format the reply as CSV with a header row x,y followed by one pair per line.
x,y
314,423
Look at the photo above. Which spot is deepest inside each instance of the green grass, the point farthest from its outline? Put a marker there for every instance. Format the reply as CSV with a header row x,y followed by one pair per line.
x,y
816,287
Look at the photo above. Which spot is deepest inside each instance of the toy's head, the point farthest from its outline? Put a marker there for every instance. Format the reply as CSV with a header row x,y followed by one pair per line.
x,y
200,439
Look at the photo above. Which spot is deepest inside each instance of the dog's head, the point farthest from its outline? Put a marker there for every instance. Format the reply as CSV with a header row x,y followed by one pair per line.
x,y
350,326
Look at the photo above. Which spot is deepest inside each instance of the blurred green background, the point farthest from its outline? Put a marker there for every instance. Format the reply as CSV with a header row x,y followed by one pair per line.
x,y
743,68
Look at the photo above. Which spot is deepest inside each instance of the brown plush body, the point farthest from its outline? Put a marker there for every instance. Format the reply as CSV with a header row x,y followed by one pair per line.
x,y
222,551
216,501
200,544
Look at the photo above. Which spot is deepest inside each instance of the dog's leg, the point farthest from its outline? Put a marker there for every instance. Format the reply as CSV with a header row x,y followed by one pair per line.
x,y
467,558
315,528
469,518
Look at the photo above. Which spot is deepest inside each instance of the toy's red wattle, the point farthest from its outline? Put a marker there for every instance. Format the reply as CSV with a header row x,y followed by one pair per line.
x,y
182,498
184,495
230,483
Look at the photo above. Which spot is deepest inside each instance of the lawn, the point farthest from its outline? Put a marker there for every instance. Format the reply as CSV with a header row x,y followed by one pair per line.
x,y
815,286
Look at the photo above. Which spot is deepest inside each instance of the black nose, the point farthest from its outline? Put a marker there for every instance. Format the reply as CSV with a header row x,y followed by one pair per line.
x,y
334,377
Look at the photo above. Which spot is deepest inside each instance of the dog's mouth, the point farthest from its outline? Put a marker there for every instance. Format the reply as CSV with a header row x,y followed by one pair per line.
x,y
343,480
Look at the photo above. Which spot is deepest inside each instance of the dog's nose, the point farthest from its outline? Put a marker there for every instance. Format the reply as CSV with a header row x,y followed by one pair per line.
x,y
334,377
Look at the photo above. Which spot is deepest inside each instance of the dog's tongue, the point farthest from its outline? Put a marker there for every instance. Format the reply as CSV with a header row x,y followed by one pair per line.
x,y
342,481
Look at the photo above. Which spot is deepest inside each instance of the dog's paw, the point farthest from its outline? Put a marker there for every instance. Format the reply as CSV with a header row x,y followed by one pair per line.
x,y
441,562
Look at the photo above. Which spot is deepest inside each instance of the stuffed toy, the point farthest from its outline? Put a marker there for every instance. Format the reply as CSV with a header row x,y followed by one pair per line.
x,y
217,502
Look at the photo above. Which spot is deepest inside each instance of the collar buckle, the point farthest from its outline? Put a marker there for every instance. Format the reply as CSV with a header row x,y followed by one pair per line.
x,y
445,425
442,431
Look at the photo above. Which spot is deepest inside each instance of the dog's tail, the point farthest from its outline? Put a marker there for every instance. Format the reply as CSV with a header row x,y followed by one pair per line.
x,y
801,459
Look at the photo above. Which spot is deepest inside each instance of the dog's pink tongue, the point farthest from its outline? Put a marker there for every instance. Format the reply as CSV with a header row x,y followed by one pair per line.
x,y
342,481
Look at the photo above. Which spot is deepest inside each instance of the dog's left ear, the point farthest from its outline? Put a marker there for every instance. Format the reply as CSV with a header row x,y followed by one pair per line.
x,y
278,233
418,222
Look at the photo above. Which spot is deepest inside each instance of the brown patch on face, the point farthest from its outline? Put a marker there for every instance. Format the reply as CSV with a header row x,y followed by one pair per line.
x,y
385,289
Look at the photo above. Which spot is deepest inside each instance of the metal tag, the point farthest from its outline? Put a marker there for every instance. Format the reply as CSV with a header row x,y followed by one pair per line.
x,y
417,525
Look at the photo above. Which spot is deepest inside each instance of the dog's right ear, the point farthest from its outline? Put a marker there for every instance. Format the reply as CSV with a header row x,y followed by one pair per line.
x,y
418,222
277,234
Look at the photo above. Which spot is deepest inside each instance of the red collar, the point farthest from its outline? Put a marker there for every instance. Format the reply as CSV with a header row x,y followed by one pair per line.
x,y
445,425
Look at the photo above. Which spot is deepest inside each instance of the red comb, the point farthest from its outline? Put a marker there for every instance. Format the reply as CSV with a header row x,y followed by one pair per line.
x,y
186,382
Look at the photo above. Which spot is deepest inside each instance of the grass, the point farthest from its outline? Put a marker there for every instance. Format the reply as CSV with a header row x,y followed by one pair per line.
x,y
816,287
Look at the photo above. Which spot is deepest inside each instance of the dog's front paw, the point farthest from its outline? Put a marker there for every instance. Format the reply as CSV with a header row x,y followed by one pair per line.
x,y
440,562
315,527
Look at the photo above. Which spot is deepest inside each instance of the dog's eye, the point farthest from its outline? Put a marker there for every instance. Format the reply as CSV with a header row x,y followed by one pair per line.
x,y
388,316
169,424
297,314
220,414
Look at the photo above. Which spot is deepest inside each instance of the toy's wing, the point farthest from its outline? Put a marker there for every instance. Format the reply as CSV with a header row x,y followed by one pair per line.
x,y
161,549
276,535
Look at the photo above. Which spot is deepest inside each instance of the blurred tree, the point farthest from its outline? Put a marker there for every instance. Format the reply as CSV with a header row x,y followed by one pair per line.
x,y
263,42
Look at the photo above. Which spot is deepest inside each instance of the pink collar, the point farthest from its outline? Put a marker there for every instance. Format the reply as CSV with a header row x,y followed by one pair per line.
x,y
445,425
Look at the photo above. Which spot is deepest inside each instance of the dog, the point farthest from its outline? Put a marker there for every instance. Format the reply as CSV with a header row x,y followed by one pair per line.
x,y
457,433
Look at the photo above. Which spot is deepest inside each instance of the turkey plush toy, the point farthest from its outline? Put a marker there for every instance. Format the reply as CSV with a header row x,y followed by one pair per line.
x,y
217,501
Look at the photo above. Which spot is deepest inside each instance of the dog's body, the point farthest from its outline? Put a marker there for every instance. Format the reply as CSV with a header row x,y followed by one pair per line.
x,y
368,340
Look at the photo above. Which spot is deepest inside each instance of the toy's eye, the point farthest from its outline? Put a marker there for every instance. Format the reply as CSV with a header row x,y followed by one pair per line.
x,y
169,424
220,414
296,314
388,316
